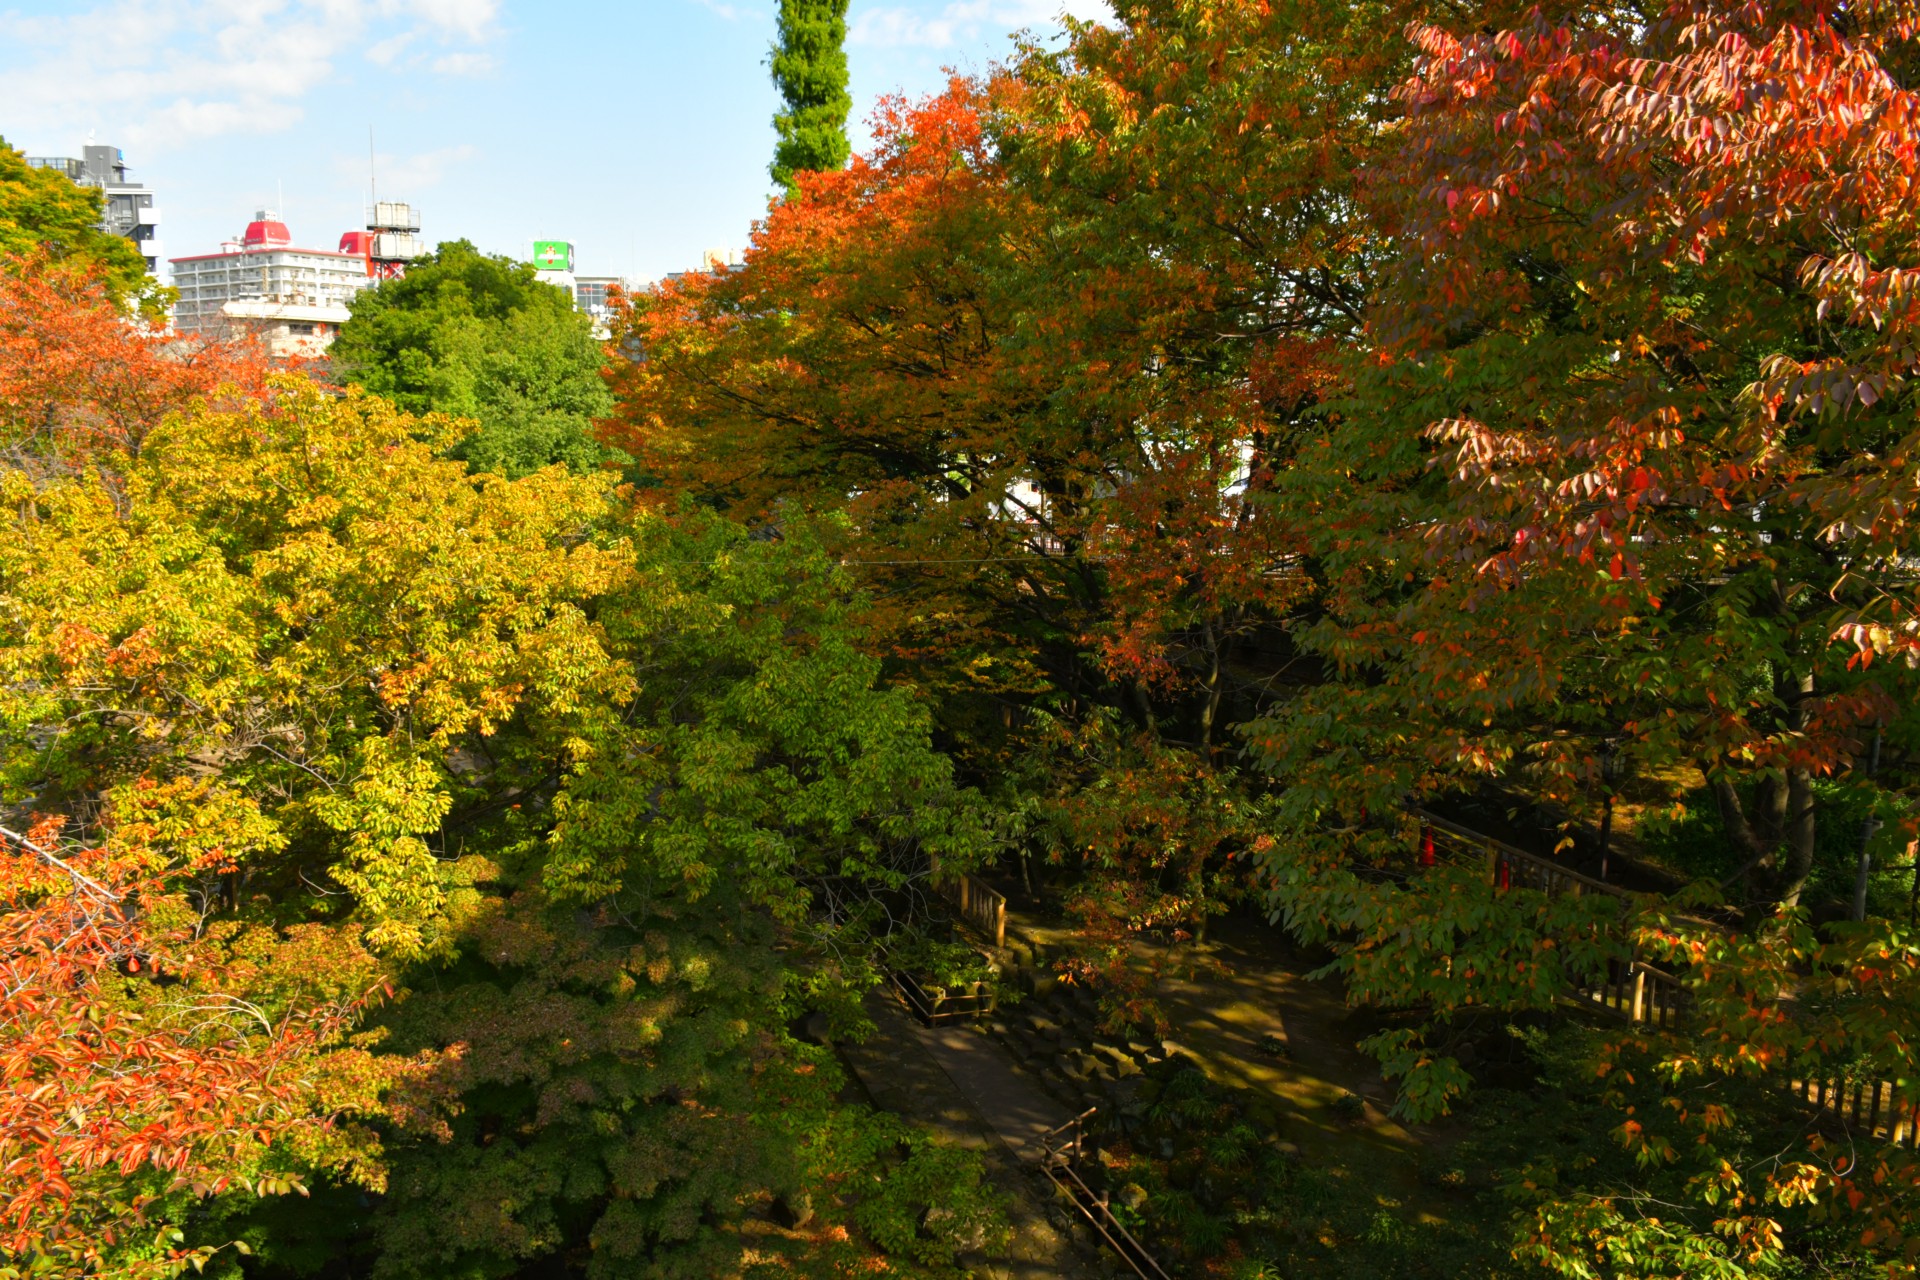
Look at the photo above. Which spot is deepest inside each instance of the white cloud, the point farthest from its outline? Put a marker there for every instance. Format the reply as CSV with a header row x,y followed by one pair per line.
x,y
178,70
463,64
472,19
400,176
186,119
962,21
385,51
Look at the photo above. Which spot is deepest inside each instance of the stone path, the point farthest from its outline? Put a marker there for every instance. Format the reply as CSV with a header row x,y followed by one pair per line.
x,y
957,1085
1016,1110
1264,1025
1246,1012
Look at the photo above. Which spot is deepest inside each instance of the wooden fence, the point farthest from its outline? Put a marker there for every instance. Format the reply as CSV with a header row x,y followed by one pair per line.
x,y
1872,1107
939,1006
1630,989
984,907
1507,866
1642,994
1636,991
1062,1150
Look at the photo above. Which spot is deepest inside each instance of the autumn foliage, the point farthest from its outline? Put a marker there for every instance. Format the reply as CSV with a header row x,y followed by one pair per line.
x,y
1509,414
343,838
1162,473
80,378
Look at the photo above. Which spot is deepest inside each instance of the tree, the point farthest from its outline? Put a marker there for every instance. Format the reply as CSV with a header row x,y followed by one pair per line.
x,y
395,808
1055,333
735,832
1510,359
171,644
810,70
42,212
80,386
477,336
1636,403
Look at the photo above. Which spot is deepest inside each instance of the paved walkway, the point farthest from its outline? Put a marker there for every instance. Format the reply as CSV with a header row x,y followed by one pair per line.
x,y
1017,1112
953,1082
1230,1001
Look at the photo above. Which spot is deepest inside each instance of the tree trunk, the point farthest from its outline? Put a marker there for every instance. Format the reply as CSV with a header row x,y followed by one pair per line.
x,y
1733,817
1606,832
1772,803
1799,826
1212,688
1143,707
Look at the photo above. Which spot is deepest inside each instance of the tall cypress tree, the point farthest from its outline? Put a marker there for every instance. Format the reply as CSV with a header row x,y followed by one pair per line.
x,y
810,70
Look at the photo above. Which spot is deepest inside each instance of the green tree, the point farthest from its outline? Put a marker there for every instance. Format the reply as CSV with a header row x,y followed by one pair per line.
x,y
596,809
41,211
810,70
477,336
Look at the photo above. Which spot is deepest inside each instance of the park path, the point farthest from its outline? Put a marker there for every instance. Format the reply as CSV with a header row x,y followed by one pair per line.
x,y
1240,1004
955,1084
1008,1101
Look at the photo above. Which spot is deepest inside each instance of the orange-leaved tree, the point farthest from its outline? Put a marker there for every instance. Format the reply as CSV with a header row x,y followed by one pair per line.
x,y
1628,475
151,1064
1045,411
82,380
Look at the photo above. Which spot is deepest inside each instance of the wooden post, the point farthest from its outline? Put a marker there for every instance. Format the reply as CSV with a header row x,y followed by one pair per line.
x,y
1000,923
1493,863
1639,994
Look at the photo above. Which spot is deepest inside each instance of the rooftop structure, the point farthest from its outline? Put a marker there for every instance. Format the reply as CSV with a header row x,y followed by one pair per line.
x,y
390,241
129,208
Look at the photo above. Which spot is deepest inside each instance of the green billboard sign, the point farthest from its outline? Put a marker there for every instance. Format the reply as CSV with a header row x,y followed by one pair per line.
x,y
553,255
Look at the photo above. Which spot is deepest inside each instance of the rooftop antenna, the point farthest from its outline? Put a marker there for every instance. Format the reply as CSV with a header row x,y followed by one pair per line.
x,y
373,185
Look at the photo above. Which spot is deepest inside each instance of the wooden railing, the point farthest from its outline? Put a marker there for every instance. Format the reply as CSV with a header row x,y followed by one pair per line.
x,y
1507,866
984,907
1635,991
1062,1150
937,1007
1872,1107
1630,989
1642,994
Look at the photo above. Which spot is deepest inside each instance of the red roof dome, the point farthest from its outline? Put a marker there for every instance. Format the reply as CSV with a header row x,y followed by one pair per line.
x,y
266,232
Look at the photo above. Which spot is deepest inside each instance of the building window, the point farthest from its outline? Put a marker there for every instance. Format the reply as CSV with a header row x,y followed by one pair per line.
x,y
299,328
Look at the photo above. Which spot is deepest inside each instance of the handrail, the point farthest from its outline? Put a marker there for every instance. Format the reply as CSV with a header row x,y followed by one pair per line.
x,y
1046,1140
934,1010
980,903
1058,1163
1870,1105
1513,853
1642,994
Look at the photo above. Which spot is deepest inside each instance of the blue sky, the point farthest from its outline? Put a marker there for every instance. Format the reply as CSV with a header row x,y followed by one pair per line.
x,y
638,129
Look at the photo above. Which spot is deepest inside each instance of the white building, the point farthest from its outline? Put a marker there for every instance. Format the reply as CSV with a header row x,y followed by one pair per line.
x,y
293,299
591,294
127,207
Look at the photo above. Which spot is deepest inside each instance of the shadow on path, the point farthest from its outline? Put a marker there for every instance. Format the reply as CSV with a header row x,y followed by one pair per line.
x,y
1242,1006
957,1085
